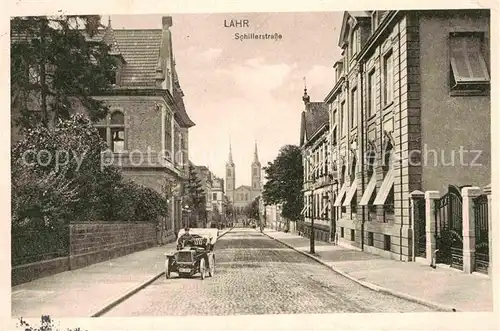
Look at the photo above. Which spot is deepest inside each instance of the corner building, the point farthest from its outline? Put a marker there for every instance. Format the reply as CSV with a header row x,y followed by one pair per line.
x,y
411,92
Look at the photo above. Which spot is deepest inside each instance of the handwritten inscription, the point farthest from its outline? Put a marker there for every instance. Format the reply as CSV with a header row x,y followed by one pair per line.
x,y
236,23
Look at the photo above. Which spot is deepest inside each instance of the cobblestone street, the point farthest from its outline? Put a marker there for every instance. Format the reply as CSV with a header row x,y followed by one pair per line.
x,y
257,275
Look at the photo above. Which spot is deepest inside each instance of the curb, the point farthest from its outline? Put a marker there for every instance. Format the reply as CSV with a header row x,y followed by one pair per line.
x,y
133,291
371,286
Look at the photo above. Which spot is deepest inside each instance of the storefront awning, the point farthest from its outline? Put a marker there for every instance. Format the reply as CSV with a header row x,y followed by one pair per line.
x,y
350,193
365,199
343,190
385,188
325,208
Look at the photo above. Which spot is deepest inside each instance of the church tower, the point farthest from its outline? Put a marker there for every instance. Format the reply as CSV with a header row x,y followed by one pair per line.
x,y
230,175
256,174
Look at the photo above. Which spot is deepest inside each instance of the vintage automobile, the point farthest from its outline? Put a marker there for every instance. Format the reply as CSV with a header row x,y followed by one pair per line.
x,y
194,256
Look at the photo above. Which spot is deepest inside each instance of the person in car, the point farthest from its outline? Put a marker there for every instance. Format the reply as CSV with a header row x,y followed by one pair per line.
x,y
186,238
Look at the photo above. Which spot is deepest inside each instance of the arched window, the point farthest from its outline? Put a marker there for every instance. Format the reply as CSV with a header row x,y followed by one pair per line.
x,y
342,174
352,173
388,157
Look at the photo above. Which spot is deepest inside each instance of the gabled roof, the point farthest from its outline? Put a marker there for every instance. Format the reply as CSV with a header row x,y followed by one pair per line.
x,y
345,23
243,187
313,119
141,51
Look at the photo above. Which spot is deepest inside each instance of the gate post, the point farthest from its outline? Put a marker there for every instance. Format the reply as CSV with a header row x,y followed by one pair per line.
x,y
430,222
487,191
416,197
469,227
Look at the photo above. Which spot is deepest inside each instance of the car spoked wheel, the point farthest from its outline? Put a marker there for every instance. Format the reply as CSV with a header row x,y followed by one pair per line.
x,y
167,269
202,268
211,270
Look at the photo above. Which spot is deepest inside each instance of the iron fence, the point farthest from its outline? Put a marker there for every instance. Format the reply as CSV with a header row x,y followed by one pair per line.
x,y
481,231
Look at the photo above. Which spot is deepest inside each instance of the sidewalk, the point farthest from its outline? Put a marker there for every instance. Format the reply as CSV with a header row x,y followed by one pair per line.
x,y
87,291
445,289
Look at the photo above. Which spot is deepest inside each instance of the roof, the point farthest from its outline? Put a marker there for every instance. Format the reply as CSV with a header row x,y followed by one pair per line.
x,y
243,187
141,51
344,27
313,119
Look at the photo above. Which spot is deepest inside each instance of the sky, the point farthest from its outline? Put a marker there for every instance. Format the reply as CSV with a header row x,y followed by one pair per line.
x,y
242,92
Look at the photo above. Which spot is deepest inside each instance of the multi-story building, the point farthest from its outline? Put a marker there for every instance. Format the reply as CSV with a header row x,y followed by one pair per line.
x,y
243,195
205,176
315,145
410,110
147,126
218,196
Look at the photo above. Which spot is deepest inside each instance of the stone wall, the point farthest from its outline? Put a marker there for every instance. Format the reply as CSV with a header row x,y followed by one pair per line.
x,y
91,243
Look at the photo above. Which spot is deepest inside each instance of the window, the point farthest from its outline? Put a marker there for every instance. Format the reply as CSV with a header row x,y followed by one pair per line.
x,y
388,78
387,242
214,196
354,108
112,131
468,68
371,110
254,172
352,173
168,135
353,235
385,195
354,42
370,238
113,73
228,172
343,120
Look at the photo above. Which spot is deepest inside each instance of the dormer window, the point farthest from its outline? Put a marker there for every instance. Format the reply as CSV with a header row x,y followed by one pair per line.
x,y
354,41
113,74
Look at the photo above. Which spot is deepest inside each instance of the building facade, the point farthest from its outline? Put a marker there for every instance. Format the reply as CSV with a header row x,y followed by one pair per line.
x,y
147,128
410,110
315,145
243,195
217,198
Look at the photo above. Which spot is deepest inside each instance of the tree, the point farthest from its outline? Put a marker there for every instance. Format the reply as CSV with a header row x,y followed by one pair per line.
x,y
285,181
55,62
227,206
195,197
252,209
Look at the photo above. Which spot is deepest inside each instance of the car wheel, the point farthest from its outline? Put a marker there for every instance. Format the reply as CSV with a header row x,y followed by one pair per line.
x,y
211,270
202,268
167,269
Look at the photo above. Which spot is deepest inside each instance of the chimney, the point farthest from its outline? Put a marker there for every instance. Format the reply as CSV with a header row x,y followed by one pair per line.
x,y
166,22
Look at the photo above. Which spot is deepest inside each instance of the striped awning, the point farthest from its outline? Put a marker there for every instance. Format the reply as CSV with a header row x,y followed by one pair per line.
x,y
350,193
365,199
343,190
385,188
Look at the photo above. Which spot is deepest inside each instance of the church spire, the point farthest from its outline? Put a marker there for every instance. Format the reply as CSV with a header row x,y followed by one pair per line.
x,y
230,160
109,21
255,154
